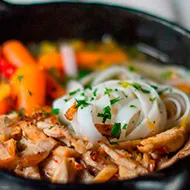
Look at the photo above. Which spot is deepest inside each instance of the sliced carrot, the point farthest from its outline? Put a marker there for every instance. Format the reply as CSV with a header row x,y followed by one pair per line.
x,y
185,87
50,60
54,89
29,86
17,54
89,59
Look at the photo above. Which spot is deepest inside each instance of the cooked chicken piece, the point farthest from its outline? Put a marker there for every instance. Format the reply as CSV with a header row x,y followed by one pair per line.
x,y
166,142
35,154
63,134
105,174
55,131
31,132
70,113
65,171
126,173
148,162
127,145
104,129
185,151
11,147
49,165
88,159
63,151
31,172
8,127
124,161
6,160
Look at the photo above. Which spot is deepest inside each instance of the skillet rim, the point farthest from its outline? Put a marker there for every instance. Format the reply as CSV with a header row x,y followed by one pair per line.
x,y
156,175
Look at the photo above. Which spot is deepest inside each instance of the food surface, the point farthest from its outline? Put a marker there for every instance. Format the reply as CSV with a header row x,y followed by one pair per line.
x,y
90,112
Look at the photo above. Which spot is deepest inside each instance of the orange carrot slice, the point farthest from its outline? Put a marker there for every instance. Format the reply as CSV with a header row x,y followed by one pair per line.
x,y
29,86
16,53
50,60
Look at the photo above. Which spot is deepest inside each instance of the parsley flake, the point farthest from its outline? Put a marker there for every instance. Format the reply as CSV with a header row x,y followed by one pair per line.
x,y
131,69
55,111
113,101
138,87
51,127
95,92
106,114
152,99
132,106
108,91
82,103
74,92
125,126
21,112
155,87
116,130
44,112
20,77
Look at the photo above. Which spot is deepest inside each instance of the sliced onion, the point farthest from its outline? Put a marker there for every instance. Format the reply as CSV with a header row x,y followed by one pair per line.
x,y
69,60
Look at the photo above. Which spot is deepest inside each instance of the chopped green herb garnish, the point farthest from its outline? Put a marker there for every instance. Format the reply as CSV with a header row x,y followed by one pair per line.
x,y
116,130
132,106
133,121
95,92
106,114
30,93
88,87
162,91
51,127
113,101
6,119
125,126
108,91
91,99
20,77
65,100
116,89
21,112
55,111
82,94
74,92
145,91
152,99
131,69
44,112
138,87
155,87
82,103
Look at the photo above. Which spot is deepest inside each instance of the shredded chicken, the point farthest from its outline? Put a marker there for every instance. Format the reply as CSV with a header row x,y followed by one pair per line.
x,y
119,159
38,147
166,142
185,151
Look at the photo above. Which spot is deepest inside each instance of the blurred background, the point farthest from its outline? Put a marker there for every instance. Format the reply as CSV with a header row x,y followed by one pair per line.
x,y
175,10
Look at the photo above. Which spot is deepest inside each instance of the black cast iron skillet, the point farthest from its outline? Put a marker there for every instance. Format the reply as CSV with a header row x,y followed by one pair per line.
x,y
162,39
